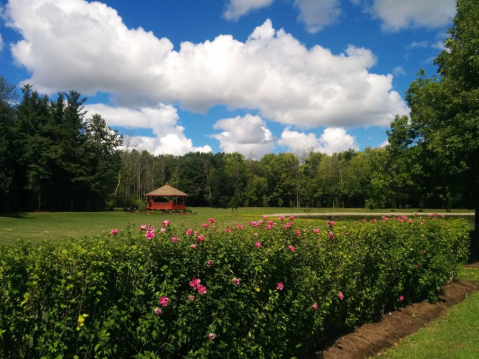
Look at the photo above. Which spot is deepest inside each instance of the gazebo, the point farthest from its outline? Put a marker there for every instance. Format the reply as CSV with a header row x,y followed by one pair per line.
x,y
166,198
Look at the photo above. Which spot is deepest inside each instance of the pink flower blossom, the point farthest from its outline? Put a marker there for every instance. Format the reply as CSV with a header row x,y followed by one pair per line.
x,y
315,230
292,218
195,233
166,223
210,263
255,234
281,218
191,298
331,223
157,311
195,283
442,215
331,235
346,234
422,251
417,266
239,226
201,289
150,234
341,295
401,298
315,306
162,230
304,231
150,228
375,220
114,232
142,227
258,244
280,286
236,281
364,221
252,223
201,238
211,336
189,231
205,225
193,246
410,221
211,220
291,248
174,239
268,227
298,233
164,301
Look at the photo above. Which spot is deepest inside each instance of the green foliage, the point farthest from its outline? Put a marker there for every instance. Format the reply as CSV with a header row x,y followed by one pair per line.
x,y
96,297
142,207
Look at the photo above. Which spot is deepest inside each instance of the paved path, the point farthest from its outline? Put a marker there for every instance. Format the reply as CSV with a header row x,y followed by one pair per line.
x,y
362,214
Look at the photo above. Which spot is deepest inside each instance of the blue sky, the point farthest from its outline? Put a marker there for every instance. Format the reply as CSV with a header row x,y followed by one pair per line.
x,y
253,76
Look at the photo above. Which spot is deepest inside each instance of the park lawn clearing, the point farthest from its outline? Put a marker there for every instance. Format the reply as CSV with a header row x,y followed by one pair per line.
x,y
38,226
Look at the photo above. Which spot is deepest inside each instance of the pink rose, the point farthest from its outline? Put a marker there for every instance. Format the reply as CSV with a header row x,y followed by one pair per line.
x,y
150,234
340,295
157,311
189,231
211,220
281,218
143,227
401,298
201,238
193,246
255,234
166,223
211,336
201,289
195,283
280,286
291,248
258,244
174,239
205,225
315,230
315,306
236,281
164,301
114,232
210,263
191,298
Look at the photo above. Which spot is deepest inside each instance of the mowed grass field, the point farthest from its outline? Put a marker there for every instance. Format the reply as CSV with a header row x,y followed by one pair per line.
x,y
38,226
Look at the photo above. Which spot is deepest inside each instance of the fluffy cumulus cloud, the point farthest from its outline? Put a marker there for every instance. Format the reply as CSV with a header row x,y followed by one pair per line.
x,y
247,135
161,119
333,139
397,15
237,8
317,13
86,46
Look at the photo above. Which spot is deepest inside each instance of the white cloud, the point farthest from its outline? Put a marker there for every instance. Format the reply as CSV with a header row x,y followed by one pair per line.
x,y
161,119
86,46
416,44
399,14
399,70
384,144
237,8
333,139
1,43
247,135
438,45
317,13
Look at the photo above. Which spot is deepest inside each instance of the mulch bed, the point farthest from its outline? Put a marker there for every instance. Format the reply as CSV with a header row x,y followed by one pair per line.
x,y
372,339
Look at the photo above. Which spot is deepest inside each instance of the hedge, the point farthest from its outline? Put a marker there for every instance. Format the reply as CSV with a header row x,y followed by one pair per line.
x,y
271,290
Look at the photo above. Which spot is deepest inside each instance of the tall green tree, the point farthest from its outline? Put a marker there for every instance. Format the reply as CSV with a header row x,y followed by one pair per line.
x,y
445,109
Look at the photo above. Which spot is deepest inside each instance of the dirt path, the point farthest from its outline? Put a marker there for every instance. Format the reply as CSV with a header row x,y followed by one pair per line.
x,y
361,214
371,339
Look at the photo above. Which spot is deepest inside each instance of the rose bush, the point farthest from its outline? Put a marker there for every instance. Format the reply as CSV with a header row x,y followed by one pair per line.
x,y
274,289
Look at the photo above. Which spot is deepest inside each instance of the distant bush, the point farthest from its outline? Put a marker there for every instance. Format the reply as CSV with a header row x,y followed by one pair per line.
x,y
142,207
268,291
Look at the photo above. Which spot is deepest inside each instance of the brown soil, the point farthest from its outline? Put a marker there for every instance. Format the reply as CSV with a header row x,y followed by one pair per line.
x,y
371,339
472,265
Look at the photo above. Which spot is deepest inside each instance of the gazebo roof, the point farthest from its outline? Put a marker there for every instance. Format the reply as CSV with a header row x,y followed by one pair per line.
x,y
167,191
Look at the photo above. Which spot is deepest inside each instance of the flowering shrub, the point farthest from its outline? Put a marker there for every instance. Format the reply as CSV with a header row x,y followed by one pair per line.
x,y
269,294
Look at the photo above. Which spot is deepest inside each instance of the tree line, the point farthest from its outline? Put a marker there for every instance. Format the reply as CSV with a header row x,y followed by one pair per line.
x,y
51,156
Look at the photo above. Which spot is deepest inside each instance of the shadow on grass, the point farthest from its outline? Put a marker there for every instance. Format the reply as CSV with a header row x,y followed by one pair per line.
x,y
18,215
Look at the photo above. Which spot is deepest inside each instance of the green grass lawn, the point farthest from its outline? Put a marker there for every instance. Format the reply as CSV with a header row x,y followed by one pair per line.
x,y
60,225
454,336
